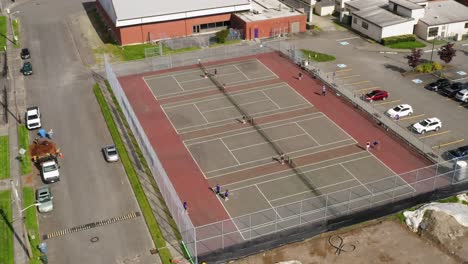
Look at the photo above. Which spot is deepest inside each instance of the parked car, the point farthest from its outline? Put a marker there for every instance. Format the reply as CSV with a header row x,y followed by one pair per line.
x,y
426,125
461,152
25,54
452,90
462,95
376,95
110,153
44,199
33,117
400,111
27,68
437,85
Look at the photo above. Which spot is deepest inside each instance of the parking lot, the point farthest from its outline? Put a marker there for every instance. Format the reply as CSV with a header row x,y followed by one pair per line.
x,y
425,103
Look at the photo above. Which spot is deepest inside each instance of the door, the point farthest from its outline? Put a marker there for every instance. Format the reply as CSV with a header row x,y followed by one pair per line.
x,y
196,29
255,32
295,27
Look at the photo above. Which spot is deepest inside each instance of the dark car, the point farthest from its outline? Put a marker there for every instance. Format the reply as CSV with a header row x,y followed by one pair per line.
x,y
461,152
376,95
27,68
453,89
437,85
25,54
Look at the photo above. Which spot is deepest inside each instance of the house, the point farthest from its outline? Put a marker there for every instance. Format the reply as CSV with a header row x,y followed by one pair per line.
x,y
141,21
443,19
427,19
307,6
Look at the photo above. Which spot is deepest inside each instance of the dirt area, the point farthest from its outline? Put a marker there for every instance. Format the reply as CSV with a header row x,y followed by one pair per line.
x,y
386,241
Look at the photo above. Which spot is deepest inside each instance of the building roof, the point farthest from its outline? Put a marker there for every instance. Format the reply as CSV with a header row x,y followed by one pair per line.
x,y
146,11
327,3
267,9
407,4
381,17
366,4
444,12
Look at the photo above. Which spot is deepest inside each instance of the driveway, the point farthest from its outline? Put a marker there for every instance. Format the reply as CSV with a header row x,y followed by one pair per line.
x,y
90,190
361,67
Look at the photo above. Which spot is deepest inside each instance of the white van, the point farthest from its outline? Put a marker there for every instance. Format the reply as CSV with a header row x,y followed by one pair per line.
x,y
462,95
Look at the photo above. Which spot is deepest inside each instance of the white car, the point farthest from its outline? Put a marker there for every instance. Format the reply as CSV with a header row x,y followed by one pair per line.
x,y
462,95
426,125
33,117
400,111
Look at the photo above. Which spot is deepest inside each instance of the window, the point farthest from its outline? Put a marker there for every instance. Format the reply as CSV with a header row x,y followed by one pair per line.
x,y
219,24
227,23
433,32
354,20
364,25
466,25
211,25
204,26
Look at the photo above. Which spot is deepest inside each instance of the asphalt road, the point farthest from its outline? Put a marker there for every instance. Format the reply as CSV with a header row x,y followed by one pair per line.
x,y
364,61
90,189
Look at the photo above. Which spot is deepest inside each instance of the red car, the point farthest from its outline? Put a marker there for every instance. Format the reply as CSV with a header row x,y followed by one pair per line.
x,y
376,95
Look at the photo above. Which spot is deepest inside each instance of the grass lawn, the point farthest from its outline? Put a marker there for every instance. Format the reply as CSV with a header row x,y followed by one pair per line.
x,y
16,31
407,45
6,234
3,31
136,52
4,157
31,223
317,56
145,207
23,138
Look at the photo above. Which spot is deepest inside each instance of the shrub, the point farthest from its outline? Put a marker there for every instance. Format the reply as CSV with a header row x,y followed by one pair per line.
x,y
437,66
397,39
222,35
429,67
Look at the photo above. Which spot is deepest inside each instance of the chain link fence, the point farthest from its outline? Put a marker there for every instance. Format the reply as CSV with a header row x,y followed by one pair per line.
x,y
214,237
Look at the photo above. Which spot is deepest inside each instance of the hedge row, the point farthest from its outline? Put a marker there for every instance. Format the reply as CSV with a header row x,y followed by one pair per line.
x,y
397,39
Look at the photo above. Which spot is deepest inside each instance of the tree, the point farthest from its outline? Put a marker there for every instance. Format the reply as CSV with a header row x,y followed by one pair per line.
x,y
414,59
447,52
222,35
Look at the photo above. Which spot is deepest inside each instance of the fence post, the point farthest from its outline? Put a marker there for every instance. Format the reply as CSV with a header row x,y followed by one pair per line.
x,y
250,226
326,207
300,213
394,187
222,234
349,201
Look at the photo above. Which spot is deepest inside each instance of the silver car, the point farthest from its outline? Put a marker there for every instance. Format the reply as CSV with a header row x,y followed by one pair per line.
x,y
110,153
44,199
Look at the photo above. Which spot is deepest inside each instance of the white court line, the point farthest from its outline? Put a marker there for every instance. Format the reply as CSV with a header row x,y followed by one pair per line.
x,y
394,173
300,193
197,69
263,143
346,38
230,217
355,178
232,154
231,118
266,199
202,78
307,133
269,158
341,128
250,127
196,163
217,97
196,107
279,107
178,83
227,107
242,72
274,74
294,174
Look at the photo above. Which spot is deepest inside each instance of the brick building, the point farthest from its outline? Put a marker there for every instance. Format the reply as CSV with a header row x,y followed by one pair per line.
x,y
141,21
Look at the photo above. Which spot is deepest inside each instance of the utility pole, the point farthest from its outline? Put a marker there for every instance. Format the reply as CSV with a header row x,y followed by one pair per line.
x,y
17,201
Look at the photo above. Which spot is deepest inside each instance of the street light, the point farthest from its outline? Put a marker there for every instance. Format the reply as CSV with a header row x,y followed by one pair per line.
x,y
433,43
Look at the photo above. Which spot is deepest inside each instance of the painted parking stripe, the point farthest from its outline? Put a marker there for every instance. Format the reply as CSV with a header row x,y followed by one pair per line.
x,y
91,225
356,83
347,77
338,71
347,38
366,89
435,134
412,117
449,143
388,102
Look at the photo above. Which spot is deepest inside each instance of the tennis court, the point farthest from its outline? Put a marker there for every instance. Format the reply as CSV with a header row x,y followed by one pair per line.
x,y
242,155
